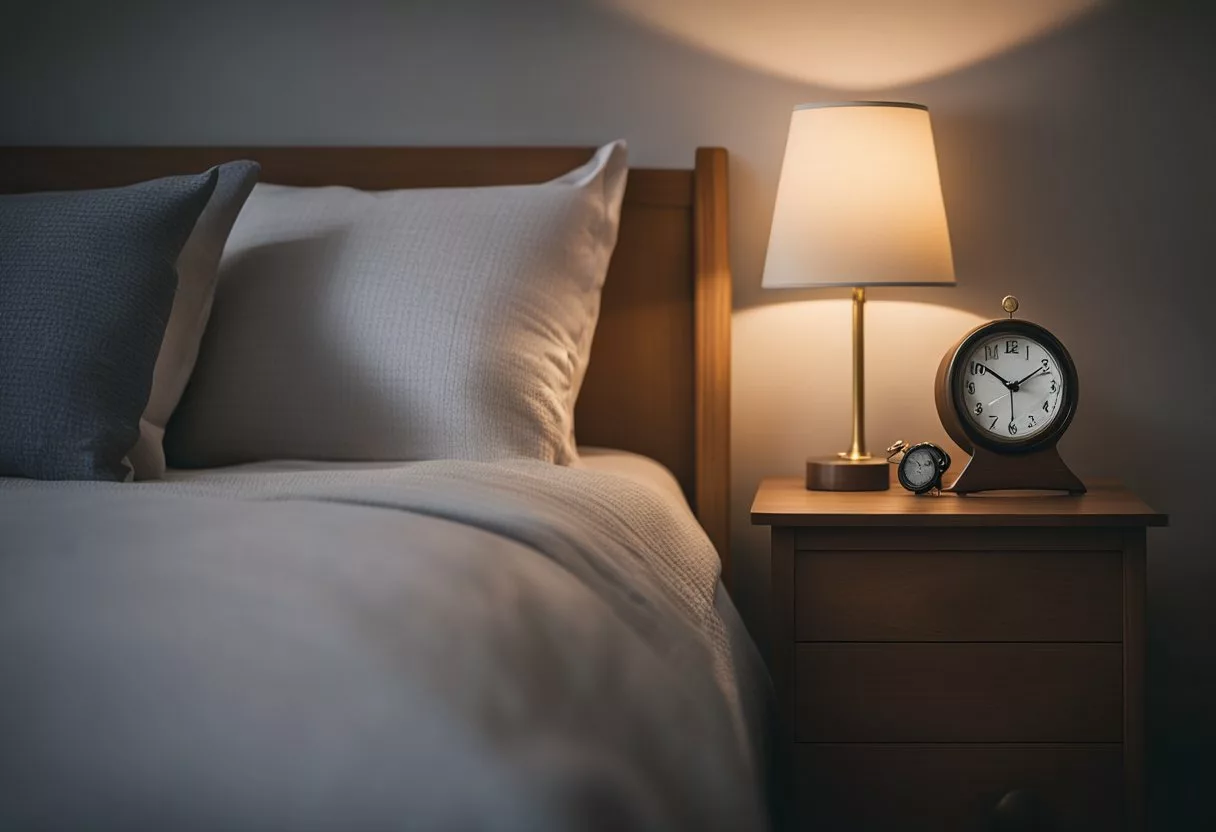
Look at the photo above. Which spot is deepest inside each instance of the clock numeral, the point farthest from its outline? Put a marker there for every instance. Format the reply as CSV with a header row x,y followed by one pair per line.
x,y
978,369
1011,347
1013,429
1030,423
979,408
971,387
1046,364
1053,386
1028,352
1045,410
992,352
993,425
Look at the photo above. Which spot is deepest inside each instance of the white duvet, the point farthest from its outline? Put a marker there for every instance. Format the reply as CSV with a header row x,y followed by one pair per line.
x,y
438,645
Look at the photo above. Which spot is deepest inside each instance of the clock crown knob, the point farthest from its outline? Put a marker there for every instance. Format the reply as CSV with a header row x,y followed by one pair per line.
x,y
1010,304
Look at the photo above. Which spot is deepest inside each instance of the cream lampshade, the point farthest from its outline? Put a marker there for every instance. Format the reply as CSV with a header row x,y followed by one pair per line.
x,y
859,204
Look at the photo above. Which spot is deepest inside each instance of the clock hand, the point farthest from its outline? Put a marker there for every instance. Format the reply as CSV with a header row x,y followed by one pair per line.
x,y
1011,416
997,375
1029,377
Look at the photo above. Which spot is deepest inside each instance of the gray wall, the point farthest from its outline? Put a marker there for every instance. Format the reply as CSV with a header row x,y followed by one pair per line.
x,y
1077,166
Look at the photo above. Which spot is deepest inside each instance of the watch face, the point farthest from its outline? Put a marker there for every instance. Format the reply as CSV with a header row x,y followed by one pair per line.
x,y
919,468
1012,387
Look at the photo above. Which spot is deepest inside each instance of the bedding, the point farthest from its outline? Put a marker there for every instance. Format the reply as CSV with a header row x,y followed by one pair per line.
x,y
449,323
87,280
443,644
197,271
260,477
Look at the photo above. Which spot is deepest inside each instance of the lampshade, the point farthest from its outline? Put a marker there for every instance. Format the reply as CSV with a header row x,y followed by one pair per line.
x,y
859,202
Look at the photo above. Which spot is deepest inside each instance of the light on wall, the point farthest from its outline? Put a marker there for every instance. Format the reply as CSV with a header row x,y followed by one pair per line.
x,y
859,44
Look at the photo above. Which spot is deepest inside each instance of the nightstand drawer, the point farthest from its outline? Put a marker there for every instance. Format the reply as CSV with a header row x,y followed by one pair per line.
x,y
959,596
869,788
958,693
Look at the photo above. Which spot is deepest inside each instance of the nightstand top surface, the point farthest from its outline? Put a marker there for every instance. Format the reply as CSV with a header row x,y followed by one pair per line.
x,y
785,501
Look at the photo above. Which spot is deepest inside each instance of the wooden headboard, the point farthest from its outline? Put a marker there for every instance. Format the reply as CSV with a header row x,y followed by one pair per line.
x,y
659,380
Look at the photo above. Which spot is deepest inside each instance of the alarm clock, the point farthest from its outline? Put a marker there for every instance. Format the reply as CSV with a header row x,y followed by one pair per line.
x,y
920,467
1006,392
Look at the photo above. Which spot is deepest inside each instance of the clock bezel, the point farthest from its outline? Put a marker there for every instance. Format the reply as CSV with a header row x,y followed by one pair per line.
x,y
960,427
941,465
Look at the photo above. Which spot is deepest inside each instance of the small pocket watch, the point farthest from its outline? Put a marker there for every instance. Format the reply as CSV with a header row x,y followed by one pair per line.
x,y
920,467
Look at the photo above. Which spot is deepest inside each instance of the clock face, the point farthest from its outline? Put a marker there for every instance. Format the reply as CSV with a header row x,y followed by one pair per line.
x,y
1012,387
919,467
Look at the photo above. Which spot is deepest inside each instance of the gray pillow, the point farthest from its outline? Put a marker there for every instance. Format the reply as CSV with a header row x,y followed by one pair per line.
x,y
197,268
86,284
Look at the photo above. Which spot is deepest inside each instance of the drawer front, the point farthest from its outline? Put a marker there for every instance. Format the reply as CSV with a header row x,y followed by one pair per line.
x,y
873,788
958,693
959,596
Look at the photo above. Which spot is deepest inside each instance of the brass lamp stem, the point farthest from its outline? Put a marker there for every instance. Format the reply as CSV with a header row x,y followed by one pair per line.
x,y
854,469
857,451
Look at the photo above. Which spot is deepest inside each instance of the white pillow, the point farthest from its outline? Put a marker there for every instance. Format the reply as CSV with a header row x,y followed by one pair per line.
x,y
399,325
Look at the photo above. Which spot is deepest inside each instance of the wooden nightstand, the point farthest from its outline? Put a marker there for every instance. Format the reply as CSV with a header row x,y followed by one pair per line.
x,y
938,657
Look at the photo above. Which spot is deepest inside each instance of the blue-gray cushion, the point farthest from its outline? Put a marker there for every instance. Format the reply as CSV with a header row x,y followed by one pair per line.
x,y
87,280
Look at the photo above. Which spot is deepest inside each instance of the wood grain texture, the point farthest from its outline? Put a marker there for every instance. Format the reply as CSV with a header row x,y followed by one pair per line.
x,y
369,168
659,379
958,538
912,709
713,303
959,692
785,501
893,595
955,788
1043,469
638,393
783,659
1134,591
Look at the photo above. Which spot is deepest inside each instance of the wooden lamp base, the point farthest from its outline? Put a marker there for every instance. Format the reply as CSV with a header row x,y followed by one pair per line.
x,y
840,474
1041,470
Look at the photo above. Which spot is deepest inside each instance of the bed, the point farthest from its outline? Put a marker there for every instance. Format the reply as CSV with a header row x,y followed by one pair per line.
x,y
371,644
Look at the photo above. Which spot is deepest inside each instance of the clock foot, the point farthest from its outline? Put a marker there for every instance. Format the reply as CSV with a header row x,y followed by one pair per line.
x,y
836,474
1042,470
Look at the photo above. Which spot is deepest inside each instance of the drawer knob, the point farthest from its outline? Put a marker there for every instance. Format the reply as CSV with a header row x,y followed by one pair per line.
x,y
1020,810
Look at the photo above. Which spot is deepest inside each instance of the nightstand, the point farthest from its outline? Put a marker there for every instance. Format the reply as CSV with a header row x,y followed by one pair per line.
x,y
958,663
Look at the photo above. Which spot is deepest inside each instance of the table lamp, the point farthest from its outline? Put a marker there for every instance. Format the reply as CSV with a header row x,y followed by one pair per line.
x,y
859,204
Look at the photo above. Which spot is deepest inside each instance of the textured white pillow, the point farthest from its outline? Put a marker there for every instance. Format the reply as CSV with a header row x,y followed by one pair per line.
x,y
450,323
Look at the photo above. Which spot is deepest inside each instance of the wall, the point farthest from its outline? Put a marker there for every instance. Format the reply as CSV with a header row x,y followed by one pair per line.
x,y
1075,142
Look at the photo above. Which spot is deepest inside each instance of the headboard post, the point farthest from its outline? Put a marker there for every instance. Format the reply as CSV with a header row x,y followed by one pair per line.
x,y
712,310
